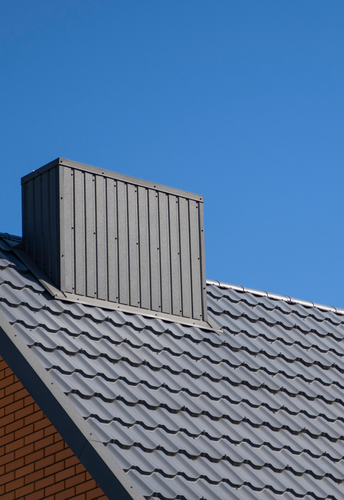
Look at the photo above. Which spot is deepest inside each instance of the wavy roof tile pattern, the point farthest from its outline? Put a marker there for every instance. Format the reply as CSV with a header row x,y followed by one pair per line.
x,y
254,411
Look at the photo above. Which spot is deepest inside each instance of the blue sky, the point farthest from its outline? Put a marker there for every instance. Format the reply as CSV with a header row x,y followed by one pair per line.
x,y
240,101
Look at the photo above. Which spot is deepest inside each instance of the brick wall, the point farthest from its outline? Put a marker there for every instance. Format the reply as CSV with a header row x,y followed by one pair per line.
x,y
35,462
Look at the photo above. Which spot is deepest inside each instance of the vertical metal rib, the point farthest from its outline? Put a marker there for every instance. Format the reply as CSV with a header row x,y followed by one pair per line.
x,y
30,219
175,255
122,214
133,240
101,238
202,256
185,257
38,219
154,249
46,225
145,282
165,263
112,247
54,229
195,260
79,233
90,235
68,231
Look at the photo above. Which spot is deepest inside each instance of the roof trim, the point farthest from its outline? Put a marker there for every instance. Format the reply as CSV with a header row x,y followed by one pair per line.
x,y
114,175
68,422
275,296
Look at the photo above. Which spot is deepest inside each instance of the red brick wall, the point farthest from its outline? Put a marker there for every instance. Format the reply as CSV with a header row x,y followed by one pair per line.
x,y
35,462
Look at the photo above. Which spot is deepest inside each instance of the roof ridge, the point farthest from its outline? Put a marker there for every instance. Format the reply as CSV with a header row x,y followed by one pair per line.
x,y
275,296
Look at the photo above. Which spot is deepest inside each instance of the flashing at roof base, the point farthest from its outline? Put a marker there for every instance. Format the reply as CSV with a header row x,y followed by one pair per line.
x,y
70,297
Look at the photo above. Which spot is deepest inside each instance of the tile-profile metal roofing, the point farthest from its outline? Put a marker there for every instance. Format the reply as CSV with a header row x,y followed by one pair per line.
x,y
252,412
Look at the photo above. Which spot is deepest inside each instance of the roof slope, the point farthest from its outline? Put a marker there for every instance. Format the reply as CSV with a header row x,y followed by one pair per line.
x,y
252,412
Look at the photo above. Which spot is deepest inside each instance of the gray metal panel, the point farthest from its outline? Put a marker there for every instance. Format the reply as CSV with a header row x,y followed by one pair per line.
x,y
112,240
115,240
38,220
203,270
79,233
46,226
175,255
133,241
185,257
67,230
54,229
195,257
30,219
102,281
123,250
165,257
145,283
91,282
153,216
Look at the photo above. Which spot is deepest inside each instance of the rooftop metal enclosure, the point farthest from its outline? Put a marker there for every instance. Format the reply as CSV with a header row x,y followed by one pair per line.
x,y
113,238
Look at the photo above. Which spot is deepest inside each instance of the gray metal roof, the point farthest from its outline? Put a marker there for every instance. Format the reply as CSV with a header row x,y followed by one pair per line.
x,y
252,412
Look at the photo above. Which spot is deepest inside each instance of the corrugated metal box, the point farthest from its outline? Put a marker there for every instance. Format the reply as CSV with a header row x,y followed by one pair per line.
x,y
107,236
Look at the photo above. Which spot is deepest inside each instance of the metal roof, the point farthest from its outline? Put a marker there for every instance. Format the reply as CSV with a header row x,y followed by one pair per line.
x,y
173,411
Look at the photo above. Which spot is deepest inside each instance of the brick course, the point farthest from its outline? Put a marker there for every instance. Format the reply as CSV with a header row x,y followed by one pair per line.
x,y
35,462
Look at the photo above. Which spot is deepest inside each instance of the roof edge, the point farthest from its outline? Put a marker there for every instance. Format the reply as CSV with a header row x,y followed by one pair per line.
x,y
111,478
64,162
275,296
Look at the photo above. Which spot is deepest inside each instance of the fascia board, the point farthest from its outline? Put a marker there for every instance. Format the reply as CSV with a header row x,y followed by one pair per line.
x,y
68,422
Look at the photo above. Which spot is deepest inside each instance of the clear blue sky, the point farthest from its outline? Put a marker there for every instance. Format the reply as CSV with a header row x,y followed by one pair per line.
x,y
240,101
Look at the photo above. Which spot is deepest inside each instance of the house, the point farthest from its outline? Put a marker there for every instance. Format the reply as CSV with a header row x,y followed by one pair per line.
x,y
126,375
